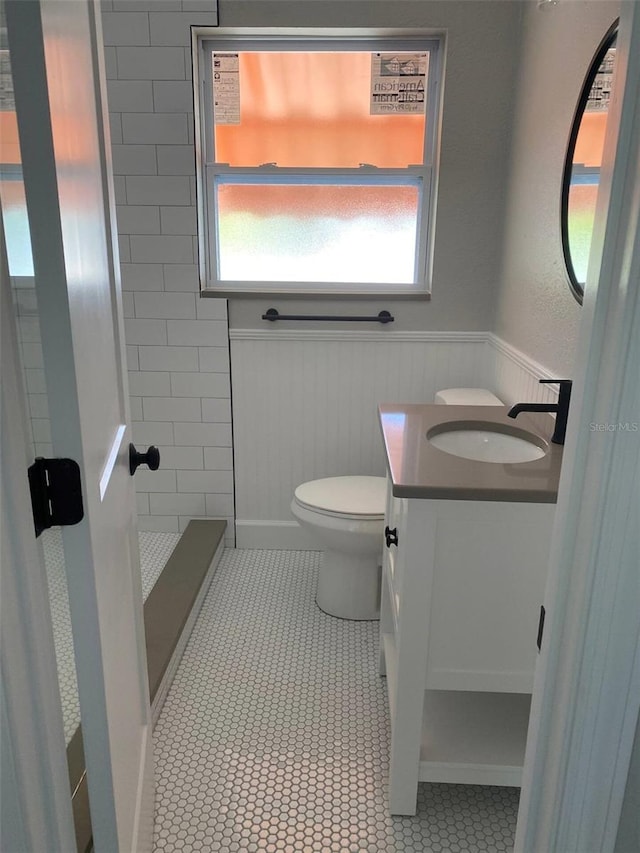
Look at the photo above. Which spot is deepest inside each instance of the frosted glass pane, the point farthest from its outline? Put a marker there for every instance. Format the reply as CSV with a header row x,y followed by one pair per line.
x,y
16,228
585,171
356,234
583,190
316,110
581,218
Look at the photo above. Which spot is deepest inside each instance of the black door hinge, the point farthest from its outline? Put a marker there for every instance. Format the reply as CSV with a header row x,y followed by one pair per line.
x,y
56,493
540,627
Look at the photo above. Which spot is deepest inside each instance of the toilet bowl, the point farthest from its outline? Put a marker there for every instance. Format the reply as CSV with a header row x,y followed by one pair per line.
x,y
345,517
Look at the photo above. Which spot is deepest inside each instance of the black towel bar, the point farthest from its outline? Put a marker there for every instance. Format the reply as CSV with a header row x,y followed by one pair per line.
x,y
383,317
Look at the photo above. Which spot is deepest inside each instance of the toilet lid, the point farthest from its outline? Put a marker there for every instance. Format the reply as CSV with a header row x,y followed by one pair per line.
x,y
467,397
345,495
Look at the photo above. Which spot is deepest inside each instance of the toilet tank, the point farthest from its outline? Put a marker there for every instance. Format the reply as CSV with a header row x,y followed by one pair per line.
x,y
467,397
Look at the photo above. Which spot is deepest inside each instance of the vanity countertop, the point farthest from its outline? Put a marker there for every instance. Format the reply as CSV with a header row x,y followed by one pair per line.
x,y
420,470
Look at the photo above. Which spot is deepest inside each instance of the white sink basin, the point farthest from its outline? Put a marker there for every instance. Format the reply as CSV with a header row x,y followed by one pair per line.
x,y
487,442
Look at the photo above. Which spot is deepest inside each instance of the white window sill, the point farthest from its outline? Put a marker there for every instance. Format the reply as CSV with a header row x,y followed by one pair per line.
x,y
275,293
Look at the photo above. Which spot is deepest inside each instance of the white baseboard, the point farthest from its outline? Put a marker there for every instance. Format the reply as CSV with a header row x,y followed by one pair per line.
x,y
176,657
273,536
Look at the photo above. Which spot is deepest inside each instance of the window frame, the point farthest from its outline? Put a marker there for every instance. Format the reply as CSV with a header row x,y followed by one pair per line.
x,y
209,173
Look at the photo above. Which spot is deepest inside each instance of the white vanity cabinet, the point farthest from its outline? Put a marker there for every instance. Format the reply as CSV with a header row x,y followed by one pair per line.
x,y
461,596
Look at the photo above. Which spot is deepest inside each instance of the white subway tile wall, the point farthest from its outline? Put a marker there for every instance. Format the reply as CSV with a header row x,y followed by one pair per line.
x,y
178,350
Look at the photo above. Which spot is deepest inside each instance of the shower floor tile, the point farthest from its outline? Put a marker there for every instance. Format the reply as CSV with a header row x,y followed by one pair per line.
x,y
155,550
275,733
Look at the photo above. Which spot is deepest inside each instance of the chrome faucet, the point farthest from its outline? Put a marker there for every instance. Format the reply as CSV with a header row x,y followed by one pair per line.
x,y
561,408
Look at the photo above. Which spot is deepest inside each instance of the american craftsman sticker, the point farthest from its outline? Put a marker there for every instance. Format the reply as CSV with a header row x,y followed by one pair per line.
x,y
398,83
226,88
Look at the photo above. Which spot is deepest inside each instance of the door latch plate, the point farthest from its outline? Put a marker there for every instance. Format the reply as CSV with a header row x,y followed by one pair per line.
x,y
56,493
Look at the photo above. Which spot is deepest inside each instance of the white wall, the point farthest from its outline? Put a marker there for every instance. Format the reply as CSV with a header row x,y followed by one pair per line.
x,y
177,343
305,395
481,55
536,311
179,373
498,267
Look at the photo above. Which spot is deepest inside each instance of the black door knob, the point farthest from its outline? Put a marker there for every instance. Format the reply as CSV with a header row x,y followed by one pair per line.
x,y
151,458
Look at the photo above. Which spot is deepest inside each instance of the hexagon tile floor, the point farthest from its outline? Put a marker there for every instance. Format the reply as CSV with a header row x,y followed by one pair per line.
x,y
274,735
155,550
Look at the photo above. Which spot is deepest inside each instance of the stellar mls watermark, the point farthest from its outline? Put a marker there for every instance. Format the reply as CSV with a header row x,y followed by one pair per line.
x,y
620,426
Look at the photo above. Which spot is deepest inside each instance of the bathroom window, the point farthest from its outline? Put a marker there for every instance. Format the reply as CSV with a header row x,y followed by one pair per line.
x,y
316,164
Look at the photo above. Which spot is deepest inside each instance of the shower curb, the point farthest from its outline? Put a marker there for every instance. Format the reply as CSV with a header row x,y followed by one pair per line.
x,y
169,614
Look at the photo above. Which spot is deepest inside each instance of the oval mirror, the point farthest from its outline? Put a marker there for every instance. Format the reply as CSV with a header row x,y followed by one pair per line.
x,y
583,162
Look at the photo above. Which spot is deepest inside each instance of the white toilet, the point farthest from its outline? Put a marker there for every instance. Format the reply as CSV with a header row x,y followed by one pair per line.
x,y
345,515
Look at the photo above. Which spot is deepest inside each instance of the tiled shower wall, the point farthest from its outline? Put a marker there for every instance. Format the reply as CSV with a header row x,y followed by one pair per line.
x,y
177,343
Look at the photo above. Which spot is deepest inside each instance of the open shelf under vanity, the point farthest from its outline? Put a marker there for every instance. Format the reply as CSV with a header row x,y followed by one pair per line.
x,y
460,595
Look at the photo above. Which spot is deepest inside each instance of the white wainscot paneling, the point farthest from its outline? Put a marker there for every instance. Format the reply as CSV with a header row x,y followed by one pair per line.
x,y
515,377
305,406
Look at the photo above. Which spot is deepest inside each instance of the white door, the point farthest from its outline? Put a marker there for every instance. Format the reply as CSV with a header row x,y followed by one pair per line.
x,y
35,806
60,103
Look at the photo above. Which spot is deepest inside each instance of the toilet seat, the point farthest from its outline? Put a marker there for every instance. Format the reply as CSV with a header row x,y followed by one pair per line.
x,y
338,515
350,498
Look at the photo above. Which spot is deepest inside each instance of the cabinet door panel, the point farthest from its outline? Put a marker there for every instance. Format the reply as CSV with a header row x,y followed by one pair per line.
x,y
490,572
